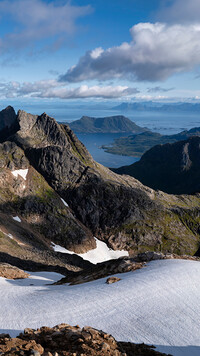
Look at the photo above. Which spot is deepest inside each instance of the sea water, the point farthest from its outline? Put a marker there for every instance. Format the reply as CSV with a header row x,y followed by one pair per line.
x,y
164,123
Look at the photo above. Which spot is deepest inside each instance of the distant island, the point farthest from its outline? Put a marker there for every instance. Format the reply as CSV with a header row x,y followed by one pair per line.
x,y
111,124
136,145
160,107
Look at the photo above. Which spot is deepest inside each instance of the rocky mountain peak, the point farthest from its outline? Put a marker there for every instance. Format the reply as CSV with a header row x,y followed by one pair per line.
x,y
116,209
7,117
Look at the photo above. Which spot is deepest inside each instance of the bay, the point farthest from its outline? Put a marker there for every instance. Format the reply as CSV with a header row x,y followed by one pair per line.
x,y
164,123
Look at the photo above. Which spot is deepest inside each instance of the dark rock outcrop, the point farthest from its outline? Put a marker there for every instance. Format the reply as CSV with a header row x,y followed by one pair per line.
x,y
172,168
101,270
8,122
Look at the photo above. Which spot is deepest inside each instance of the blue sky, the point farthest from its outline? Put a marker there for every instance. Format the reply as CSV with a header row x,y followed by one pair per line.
x,y
100,50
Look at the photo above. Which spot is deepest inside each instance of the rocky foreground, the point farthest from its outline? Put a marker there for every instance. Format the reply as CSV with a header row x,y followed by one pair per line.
x,y
66,340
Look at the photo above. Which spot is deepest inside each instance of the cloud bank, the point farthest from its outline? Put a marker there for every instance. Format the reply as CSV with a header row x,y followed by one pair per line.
x,y
36,20
53,89
180,11
156,52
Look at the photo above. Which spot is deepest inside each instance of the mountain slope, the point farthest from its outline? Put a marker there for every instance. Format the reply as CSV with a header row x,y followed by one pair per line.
x,y
118,210
173,168
112,124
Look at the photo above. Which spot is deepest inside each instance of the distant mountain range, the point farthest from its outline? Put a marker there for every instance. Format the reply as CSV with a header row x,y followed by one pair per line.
x,y
152,106
136,145
173,168
112,124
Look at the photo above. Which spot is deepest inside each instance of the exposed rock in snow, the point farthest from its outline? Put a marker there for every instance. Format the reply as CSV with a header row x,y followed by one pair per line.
x,y
111,280
11,272
100,254
16,218
20,172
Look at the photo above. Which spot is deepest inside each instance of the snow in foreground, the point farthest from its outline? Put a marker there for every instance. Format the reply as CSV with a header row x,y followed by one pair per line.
x,y
159,304
101,253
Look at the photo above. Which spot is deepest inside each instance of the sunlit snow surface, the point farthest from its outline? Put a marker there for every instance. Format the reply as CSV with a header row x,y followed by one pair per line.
x,y
159,304
21,172
100,254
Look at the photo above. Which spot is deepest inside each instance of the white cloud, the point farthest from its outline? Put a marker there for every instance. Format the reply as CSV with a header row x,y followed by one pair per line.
x,y
89,92
156,52
36,20
54,89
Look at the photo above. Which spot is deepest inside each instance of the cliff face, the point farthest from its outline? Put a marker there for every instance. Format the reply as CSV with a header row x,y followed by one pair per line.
x,y
32,214
173,168
117,209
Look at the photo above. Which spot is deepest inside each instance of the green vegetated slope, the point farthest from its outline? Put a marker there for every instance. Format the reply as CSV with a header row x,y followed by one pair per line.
x,y
116,209
137,145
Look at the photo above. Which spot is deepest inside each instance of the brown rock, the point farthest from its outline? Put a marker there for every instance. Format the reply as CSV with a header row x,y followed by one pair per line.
x,y
12,272
66,340
111,280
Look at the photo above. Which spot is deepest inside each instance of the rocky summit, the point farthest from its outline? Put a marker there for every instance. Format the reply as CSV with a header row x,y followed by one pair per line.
x,y
66,340
43,161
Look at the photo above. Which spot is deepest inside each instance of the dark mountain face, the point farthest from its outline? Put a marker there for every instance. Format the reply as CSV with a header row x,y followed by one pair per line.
x,y
172,168
8,123
119,210
112,124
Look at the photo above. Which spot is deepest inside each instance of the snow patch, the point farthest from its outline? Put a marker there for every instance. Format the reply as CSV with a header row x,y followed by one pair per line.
x,y
20,172
64,202
16,218
101,253
159,304
58,248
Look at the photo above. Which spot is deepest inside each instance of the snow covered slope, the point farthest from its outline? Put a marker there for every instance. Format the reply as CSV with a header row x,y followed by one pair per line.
x,y
159,304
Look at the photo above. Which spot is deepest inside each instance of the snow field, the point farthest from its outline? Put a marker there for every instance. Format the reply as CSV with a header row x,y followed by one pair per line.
x,y
159,304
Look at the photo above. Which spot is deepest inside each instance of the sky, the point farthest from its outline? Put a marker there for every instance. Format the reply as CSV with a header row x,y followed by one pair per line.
x,y
114,50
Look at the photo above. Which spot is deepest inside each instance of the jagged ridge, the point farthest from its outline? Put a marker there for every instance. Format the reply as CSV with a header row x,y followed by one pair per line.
x,y
118,210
